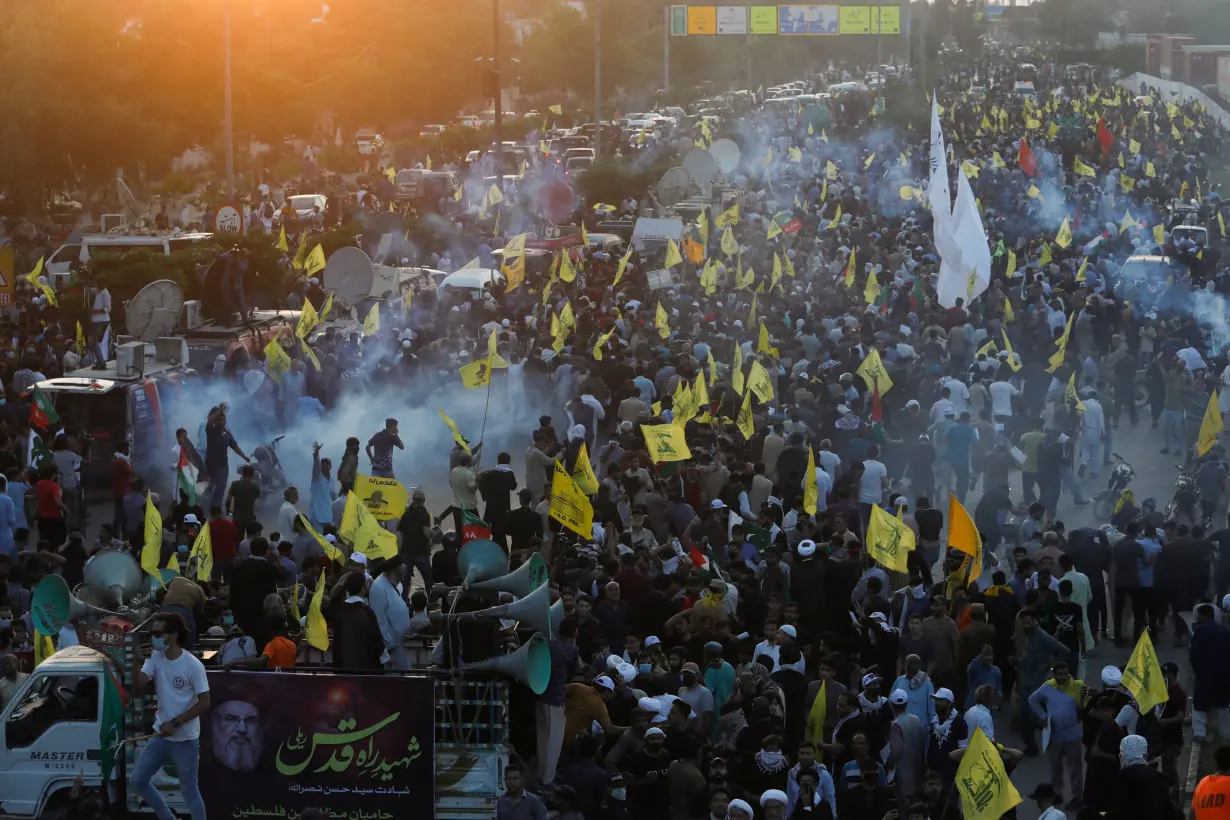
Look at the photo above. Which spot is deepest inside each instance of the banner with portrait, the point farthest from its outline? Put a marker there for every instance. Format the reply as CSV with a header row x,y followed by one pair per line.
x,y
273,745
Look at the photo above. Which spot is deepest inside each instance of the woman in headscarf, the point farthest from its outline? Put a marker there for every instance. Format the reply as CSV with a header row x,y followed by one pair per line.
x,y
1141,792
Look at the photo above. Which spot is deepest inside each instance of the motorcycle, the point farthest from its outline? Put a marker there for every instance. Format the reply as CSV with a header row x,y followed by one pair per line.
x,y
268,468
1184,507
1120,477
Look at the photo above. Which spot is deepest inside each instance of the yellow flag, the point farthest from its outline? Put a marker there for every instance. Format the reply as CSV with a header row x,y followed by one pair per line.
x,y
728,218
1044,258
1143,675
301,253
867,162
836,218
583,473
1080,272
1159,234
830,170
662,321
997,161
1012,362
1134,146
773,230
452,426
276,360
1121,162
962,534
889,540
823,136
476,374
294,603
985,788
873,373
850,269
665,442
1083,169
762,344
80,342
736,371
1011,264
494,195
673,257
330,550
371,325
746,421
1126,183
1033,192
307,320
283,245
513,264
872,291
151,551
1064,238
364,531
795,155
569,506
1009,315
623,266
1210,426
1150,171
459,193
203,552
309,354
315,261
326,308
751,312
969,169
1061,347
44,648
729,245
811,487
316,631
759,382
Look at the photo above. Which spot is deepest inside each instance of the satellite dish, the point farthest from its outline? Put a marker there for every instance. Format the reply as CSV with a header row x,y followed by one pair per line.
x,y
130,202
376,227
674,186
349,274
154,311
701,166
726,154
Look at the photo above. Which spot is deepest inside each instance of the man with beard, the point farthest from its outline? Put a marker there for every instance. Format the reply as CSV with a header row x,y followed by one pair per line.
x,y
646,772
948,736
235,735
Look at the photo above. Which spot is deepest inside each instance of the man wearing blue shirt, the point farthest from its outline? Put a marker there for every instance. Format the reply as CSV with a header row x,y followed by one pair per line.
x,y
957,443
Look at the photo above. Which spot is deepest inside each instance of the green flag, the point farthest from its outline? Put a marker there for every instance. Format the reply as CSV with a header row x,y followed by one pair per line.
x,y
111,726
42,412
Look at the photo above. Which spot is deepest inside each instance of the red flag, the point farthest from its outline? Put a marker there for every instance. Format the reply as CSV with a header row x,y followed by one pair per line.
x,y
1105,138
1025,159
877,411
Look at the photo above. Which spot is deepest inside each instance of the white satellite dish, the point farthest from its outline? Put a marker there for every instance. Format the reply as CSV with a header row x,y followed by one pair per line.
x,y
154,311
674,186
129,200
701,166
726,154
349,274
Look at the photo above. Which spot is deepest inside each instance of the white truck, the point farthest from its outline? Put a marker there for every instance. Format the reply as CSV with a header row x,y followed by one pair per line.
x,y
272,744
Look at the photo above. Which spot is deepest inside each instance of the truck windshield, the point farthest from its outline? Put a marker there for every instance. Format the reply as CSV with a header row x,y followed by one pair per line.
x,y
50,700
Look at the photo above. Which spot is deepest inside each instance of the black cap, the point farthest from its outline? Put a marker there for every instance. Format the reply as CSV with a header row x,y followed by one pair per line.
x,y
1043,791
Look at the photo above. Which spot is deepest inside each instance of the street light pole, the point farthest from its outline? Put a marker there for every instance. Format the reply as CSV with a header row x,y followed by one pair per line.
x,y
228,123
597,79
498,124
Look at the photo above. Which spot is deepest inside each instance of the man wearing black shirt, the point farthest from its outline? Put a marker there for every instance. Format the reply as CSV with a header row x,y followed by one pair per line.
x,y
380,449
218,440
252,579
994,501
524,523
930,522
497,485
645,772
415,529
1069,619
242,497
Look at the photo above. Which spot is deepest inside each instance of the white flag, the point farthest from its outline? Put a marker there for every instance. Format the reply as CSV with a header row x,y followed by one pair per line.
x,y
969,274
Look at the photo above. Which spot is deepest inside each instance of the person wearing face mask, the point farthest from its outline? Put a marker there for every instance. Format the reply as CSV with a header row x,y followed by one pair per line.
x,y
645,773
697,696
182,697
392,613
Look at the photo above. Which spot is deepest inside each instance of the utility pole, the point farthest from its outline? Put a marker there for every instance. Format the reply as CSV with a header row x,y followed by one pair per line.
x,y
597,79
228,121
666,49
498,124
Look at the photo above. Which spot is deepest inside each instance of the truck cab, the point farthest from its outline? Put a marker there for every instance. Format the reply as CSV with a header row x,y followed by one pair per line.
x,y
50,731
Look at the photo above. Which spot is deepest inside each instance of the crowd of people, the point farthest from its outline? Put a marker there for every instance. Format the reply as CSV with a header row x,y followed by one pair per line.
x,y
730,648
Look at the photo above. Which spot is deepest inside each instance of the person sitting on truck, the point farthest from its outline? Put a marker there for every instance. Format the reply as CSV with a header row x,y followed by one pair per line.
x,y
182,692
279,651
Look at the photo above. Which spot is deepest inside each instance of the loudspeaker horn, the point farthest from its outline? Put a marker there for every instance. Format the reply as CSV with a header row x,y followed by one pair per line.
x,y
534,610
481,560
520,582
54,605
531,664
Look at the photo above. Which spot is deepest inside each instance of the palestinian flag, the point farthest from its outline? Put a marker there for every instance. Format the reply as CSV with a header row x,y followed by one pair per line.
x,y
186,473
473,527
700,560
42,412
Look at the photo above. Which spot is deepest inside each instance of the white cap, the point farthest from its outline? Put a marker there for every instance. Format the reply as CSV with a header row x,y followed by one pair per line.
x,y
652,640
1111,676
911,403
191,518
649,705
870,678
654,731
605,682
358,558
613,662
773,796
628,672
944,694
717,504
789,630
332,539
807,547
843,409
899,697
1225,603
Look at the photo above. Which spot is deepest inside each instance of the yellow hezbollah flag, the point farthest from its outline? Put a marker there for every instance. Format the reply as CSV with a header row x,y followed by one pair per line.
x,y
662,322
330,550
476,374
43,647
569,506
811,487
850,267
1143,675
385,498
151,552
729,217
889,540
1064,238
316,631
873,373
736,374
745,421
276,360
665,442
762,344
758,382
307,320
315,261
623,265
301,253
962,534
730,247
371,325
1083,169
1210,426
203,552
1012,362
513,265
364,531
985,789
583,473
673,257
457,437
283,246
1061,347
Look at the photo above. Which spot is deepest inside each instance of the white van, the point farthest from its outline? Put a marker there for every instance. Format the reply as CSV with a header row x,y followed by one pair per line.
x,y
93,244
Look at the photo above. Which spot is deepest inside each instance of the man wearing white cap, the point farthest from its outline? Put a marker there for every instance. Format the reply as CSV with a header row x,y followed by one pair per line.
x,y
647,772
907,740
785,636
585,705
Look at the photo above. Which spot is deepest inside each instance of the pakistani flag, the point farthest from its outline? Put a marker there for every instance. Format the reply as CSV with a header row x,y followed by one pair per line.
x,y
37,454
42,412
473,527
187,474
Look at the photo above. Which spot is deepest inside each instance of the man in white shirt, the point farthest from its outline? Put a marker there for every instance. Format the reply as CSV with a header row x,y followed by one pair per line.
x,y
100,314
1002,393
943,406
958,393
182,696
288,513
392,613
826,458
875,478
